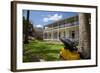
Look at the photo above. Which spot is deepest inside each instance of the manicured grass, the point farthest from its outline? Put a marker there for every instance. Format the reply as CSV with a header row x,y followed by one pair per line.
x,y
41,50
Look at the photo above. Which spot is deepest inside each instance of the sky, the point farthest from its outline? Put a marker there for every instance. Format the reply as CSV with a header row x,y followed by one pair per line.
x,y
41,18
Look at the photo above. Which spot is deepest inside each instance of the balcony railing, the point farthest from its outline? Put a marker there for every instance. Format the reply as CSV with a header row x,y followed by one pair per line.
x,y
64,25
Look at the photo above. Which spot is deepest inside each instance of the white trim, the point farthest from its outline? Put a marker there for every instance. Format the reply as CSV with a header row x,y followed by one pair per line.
x,y
21,65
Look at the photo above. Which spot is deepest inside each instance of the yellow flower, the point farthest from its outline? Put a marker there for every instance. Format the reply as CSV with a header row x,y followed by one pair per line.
x,y
69,55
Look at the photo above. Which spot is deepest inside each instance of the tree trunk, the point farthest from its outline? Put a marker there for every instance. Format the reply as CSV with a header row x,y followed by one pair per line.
x,y
84,35
27,27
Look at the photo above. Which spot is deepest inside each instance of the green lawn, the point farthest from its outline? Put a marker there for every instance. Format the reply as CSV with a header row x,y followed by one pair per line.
x,y
41,50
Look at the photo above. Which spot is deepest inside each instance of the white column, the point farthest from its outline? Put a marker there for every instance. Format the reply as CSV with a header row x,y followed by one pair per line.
x,y
58,31
43,35
52,32
47,35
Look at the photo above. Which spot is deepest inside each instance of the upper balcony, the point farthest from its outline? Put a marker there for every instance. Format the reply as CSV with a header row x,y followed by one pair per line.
x,y
72,21
62,26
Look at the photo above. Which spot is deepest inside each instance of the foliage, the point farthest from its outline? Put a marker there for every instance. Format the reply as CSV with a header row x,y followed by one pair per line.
x,y
72,19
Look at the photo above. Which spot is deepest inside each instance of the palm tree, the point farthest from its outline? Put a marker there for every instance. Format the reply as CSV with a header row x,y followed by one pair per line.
x,y
84,35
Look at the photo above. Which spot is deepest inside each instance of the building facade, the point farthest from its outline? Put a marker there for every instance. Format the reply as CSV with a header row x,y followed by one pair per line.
x,y
67,28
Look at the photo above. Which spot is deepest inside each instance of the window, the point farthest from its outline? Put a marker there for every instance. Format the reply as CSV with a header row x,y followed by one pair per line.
x,y
73,34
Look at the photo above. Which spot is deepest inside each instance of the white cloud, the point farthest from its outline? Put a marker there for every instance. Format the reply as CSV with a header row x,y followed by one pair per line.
x,y
39,26
45,19
54,17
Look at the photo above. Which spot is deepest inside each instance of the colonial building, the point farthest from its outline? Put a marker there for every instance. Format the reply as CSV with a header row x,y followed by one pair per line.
x,y
68,28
